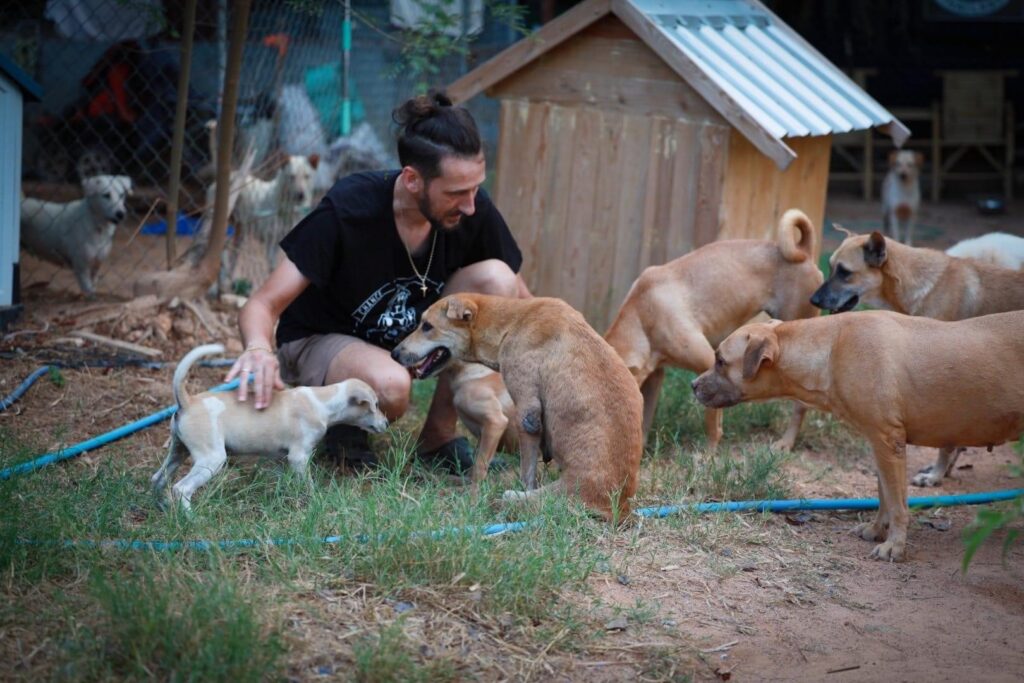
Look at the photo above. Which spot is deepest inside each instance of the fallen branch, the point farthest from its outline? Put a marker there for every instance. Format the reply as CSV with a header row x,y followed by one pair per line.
x,y
117,343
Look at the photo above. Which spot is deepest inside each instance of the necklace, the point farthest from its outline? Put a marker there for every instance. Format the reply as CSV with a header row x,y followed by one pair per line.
x,y
423,277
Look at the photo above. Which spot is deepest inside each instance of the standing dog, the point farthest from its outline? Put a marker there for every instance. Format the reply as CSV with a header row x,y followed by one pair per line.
x,y
996,248
896,379
210,425
901,195
78,234
574,398
677,313
922,282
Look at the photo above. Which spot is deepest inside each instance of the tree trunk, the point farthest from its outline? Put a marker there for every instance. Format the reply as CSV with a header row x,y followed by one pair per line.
x,y
178,140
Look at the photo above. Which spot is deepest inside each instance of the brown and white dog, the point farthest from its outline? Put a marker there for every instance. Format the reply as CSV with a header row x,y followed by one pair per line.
x,y
901,194
896,379
675,314
210,425
573,396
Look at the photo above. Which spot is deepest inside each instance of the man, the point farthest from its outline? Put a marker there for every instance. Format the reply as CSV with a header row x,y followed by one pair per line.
x,y
363,266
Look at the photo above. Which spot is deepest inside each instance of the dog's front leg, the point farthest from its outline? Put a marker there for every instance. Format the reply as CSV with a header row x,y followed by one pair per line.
x,y
788,439
531,428
891,457
492,426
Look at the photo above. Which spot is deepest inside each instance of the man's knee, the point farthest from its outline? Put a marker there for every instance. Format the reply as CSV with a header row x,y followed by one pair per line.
x,y
393,392
492,276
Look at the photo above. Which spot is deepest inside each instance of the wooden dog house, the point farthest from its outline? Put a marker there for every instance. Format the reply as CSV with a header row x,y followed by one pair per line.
x,y
632,131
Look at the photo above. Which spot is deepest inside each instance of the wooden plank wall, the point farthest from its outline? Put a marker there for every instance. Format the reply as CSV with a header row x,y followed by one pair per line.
x,y
757,193
594,196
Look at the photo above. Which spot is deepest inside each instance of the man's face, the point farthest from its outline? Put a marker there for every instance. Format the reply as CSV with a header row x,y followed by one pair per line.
x,y
446,199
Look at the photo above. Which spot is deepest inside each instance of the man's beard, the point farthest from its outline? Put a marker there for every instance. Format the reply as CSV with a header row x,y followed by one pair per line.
x,y
423,203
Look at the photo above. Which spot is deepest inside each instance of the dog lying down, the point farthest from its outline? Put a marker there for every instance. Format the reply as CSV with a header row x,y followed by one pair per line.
x,y
573,396
896,379
210,425
997,248
78,234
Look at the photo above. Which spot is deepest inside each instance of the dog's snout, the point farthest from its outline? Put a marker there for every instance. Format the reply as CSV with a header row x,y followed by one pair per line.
x,y
693,384
119,215
816,299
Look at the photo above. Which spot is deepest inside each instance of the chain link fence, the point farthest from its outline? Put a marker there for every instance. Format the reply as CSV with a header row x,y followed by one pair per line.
x,y
97,148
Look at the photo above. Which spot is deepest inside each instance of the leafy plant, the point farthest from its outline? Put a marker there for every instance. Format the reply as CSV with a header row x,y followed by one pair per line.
x,y
992,519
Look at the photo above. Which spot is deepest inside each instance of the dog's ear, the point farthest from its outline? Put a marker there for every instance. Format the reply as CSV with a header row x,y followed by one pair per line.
x,y
759,352
892,157
127,183
874,250
358,400
314,160
461,309
919,159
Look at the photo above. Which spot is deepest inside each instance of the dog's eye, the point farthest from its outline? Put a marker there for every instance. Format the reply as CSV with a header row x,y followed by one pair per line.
x,y
842,273
106,195
426,327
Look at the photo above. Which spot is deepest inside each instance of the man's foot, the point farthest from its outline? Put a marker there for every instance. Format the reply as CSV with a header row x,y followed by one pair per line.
x,y
350,446
454,457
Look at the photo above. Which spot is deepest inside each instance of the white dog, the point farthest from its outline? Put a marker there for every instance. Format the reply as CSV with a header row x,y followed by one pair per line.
x,y
901,195
210,425
998,248
78,234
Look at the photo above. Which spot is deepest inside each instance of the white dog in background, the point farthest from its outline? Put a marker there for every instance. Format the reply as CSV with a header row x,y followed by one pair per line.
x,y
998,248
78,234
211,425
901,195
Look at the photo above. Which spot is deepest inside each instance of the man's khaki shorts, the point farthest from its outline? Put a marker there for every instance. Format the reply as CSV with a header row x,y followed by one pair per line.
x,y
304,362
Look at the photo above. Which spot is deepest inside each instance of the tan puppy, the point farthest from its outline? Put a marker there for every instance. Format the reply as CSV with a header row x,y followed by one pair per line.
x,y
677,313
896,379
485,408
573,396
884,273
210,425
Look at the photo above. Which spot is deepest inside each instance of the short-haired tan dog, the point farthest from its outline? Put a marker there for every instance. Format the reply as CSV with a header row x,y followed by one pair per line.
x,y
896,379
210,425
573,396
925,282
675,314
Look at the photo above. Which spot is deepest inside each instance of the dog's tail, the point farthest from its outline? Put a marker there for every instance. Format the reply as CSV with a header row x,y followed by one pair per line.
x,y
181,395
796,236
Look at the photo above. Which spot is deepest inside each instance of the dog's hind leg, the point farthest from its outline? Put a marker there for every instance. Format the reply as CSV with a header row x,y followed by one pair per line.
x,y
530,431
788,439
932,475
651,390
176,454
203,469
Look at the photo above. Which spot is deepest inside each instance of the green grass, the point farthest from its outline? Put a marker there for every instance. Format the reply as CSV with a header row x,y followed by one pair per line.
x,y
387,656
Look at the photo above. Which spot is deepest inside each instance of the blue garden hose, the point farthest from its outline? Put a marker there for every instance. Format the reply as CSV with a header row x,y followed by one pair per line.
x,y
102,439
23,387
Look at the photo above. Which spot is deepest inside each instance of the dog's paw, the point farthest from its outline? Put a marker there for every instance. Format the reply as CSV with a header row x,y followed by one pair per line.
x,y
927,476
783,445
869,531
514,496
890,551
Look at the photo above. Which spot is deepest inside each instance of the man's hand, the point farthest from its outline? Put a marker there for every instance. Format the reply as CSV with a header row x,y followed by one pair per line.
x,y
266,371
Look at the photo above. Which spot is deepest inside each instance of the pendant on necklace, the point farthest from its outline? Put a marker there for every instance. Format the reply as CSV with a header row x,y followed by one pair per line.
x,y
423,288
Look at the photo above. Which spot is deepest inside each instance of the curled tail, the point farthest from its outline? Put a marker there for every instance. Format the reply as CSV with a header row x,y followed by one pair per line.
x,y
796,236
181,395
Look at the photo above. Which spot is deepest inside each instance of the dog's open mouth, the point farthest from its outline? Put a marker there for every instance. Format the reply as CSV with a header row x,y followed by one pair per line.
x,y
434,360
848,305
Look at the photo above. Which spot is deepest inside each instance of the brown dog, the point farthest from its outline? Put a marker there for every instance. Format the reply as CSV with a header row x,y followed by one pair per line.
x,y
485,408
884,273
573,396
675,314
896,379
924,282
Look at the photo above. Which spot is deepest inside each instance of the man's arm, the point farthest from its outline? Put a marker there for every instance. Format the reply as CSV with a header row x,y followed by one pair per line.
x,y
256,322
524,291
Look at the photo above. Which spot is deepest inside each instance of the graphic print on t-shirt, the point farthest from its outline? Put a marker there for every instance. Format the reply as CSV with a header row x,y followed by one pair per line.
x,y
393,310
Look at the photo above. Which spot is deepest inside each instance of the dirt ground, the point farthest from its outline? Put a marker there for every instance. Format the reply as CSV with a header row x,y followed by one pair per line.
x,y
815,608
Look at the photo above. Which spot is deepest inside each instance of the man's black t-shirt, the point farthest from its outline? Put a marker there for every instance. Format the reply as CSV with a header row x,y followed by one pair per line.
x,y
361,281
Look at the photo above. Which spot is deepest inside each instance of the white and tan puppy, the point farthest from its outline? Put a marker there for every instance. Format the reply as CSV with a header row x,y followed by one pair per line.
x,y
210,425
901,195
78,234
996,248
896,379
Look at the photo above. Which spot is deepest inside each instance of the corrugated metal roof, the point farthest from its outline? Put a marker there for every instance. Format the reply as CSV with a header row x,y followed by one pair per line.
x,y
777,78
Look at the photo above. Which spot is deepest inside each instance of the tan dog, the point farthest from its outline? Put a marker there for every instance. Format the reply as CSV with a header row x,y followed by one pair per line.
x,y
923,282
896,379
573,396
901,194
677,313
210,425
884,273
485,408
